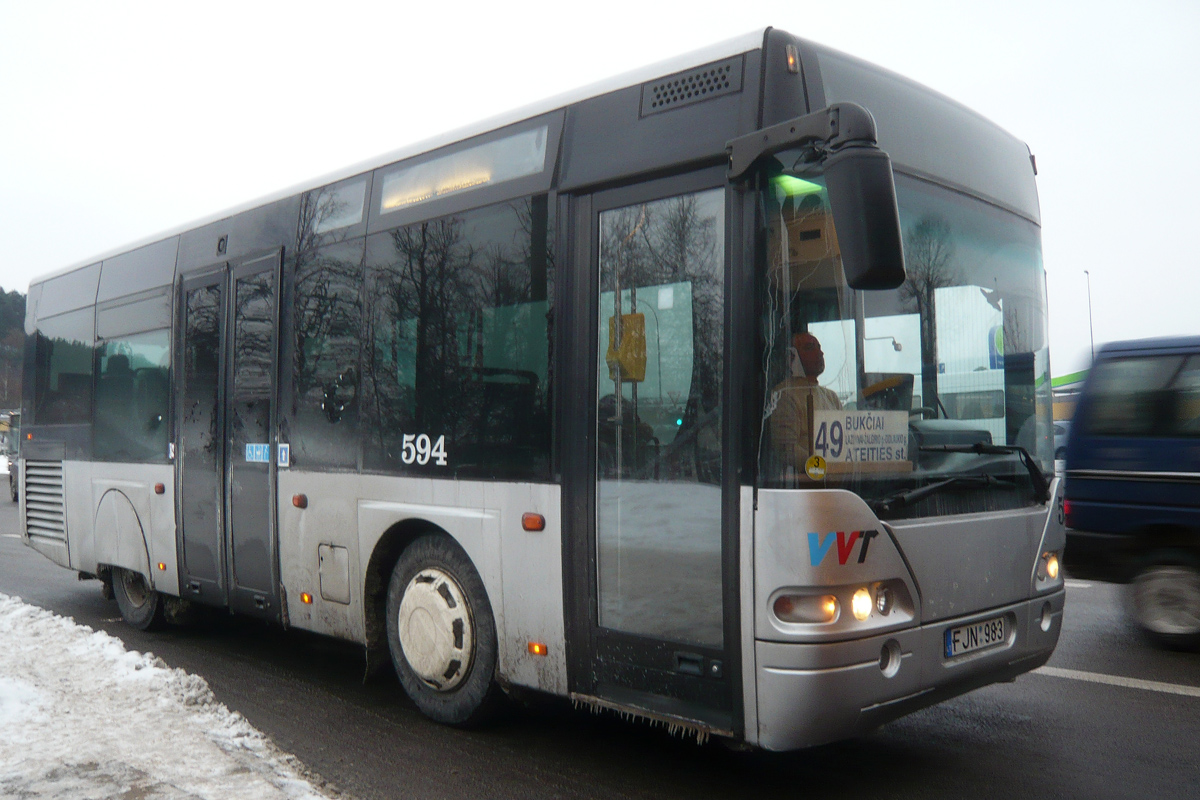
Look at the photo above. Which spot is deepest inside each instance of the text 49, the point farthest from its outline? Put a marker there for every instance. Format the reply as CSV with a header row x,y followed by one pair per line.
x,y
829,443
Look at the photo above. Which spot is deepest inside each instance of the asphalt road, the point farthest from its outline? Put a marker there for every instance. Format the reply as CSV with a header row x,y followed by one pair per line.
x,y
1068,733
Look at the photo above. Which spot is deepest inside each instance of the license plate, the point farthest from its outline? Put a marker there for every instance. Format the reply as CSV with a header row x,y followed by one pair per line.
x,y
975,636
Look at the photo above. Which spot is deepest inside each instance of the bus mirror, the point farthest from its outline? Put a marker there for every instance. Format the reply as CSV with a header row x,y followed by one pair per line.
x,y
862,194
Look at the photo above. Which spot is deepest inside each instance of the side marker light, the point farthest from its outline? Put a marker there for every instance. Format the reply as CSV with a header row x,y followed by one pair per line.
x,y
162,567
793,59
533,522
300,500
306,598
537,649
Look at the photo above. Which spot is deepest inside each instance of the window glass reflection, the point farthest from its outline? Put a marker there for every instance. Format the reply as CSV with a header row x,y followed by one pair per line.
x,y
956,355
63,352
658,418
327,319
457,346
132,396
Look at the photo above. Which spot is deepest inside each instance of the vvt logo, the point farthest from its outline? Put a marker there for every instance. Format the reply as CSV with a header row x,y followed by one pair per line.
x,y
819,547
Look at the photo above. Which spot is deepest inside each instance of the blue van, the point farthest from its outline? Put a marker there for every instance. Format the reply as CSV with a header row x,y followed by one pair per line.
x,y
1133,482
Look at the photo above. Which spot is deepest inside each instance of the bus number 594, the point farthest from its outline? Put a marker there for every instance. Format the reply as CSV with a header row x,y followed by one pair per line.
x,y
417,447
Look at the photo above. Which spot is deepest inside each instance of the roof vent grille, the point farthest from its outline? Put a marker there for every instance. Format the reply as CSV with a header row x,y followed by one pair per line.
x,y
692,86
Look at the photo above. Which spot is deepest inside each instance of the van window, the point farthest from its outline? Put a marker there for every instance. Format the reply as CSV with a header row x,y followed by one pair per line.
x,y
1146,396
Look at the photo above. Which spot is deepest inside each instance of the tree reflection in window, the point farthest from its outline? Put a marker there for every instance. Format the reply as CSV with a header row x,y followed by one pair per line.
x,y
457,342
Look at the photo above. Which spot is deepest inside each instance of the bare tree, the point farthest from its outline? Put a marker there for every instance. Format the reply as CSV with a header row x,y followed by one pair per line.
x,y
929,256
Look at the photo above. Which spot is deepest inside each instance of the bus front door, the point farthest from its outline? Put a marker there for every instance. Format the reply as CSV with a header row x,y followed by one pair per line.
x,y
647,524
226,458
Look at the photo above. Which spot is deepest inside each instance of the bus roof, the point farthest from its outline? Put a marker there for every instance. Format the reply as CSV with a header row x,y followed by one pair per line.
x,y
714,52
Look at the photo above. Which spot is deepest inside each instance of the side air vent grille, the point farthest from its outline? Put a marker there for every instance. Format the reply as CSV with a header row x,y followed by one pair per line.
x,y
693,86
44,512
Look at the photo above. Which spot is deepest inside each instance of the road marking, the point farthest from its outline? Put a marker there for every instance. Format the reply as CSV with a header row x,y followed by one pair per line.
x,y
1077,584
1117,680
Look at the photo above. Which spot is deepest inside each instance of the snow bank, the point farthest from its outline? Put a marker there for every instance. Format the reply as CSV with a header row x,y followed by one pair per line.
x,y
82,717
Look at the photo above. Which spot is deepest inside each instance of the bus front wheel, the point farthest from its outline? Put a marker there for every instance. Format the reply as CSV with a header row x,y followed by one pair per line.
x,y
1166,599
441,633
141,606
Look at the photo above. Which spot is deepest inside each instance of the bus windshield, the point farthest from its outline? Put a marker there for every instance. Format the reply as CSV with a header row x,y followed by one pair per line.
x,y
870,382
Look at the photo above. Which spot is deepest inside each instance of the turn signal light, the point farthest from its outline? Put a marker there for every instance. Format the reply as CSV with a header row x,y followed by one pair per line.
x,y
306,598
162,567
537,648
811,608
533,522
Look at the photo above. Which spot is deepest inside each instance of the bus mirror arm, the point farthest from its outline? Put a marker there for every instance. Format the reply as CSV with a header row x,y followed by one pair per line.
x,y
841,125
858,176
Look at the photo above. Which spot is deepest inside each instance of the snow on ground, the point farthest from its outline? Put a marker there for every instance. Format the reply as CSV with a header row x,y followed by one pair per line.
x,y
82,717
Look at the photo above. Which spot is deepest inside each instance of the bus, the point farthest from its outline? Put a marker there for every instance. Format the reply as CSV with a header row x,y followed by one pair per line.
x,y
1132,471
536,406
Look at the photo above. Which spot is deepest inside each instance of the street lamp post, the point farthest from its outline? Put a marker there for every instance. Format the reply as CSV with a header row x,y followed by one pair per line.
x,y
1091,334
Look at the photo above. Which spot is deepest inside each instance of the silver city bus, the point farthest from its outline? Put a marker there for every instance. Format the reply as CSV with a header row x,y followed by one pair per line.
x,y
631,398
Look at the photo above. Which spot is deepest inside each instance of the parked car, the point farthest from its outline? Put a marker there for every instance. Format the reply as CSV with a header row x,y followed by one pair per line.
x,y
1133,482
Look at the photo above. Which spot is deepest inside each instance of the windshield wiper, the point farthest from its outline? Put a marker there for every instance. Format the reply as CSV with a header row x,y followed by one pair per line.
x,y
910,496
1041,486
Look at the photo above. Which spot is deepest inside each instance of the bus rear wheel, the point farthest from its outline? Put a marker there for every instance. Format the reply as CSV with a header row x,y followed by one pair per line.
x,y
1166,599
141,606
441,633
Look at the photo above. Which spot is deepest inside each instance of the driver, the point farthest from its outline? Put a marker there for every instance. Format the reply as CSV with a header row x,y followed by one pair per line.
x,y
789,401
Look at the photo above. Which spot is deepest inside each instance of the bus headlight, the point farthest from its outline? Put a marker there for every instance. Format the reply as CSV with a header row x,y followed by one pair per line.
x,y
860,604
1048,567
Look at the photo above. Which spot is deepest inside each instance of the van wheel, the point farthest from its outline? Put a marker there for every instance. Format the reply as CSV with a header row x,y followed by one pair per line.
x,y
441,633
141,606
1166,601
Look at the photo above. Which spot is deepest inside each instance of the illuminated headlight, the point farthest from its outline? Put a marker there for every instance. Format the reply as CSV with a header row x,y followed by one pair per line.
x,y
860,604
806,608
1048,566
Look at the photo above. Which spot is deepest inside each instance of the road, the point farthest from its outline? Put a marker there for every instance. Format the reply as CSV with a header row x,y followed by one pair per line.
x,y
1113,717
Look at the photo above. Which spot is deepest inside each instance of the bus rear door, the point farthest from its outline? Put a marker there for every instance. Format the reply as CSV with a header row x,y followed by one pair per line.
x,y
226,460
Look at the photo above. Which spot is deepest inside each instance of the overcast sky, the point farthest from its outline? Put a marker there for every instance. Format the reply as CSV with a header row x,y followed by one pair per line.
x,y
122,119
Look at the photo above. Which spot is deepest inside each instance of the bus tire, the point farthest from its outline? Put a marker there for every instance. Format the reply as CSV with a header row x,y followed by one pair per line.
x,y
441,633
1166,599
141,606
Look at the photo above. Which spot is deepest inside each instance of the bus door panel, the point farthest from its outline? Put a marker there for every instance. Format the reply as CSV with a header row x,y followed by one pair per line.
x,y
251,454
654,504
200,425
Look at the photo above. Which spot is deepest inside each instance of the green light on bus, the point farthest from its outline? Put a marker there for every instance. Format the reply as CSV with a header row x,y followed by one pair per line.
x,y
792,186
678,422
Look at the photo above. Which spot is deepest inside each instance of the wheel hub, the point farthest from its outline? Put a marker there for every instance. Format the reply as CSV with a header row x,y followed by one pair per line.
x,y
135,588
436,634
1168,600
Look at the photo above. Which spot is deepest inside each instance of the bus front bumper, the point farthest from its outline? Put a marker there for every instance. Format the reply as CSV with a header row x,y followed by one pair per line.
x,y
810,694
